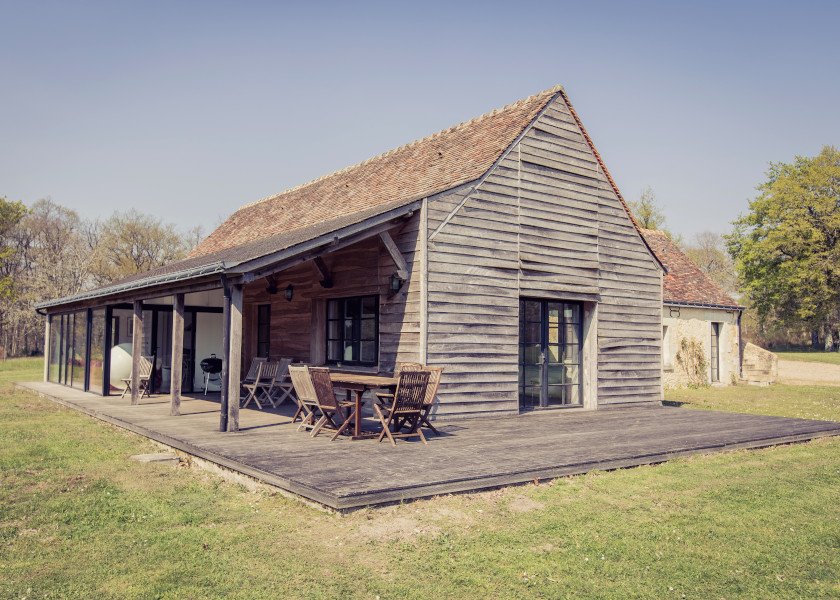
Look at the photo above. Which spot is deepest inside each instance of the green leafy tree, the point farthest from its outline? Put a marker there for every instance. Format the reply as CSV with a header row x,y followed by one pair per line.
x,y
787,247
647,210
649,214
10,215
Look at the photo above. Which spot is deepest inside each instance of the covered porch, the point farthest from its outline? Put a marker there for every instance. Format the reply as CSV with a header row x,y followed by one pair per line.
x,y
345,298
470,454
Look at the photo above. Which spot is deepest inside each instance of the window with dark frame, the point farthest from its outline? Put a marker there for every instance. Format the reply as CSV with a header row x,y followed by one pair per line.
x,y
715,353
353,330
263,330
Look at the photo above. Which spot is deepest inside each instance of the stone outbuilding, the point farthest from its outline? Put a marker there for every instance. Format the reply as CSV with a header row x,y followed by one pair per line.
x,y
701,324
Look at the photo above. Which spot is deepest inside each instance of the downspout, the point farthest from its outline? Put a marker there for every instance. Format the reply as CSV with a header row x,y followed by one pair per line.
x,y
223,409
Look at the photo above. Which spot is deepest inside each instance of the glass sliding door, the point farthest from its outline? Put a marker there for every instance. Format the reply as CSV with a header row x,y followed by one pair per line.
x,y
97,351
67,349
55,349
530,353
78,353
187,376
550,344
162,350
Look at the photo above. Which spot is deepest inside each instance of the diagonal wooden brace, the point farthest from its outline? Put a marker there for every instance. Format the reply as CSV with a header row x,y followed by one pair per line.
x,y
396,255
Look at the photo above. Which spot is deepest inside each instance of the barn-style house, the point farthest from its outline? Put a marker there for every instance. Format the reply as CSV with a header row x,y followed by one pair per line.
x,y
500,248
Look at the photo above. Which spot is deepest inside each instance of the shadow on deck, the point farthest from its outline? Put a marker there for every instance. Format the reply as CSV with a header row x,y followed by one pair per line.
x,y
469,455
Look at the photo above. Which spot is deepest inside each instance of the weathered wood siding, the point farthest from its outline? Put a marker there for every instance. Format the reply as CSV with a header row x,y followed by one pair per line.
x,y
473,300
298,327
545,223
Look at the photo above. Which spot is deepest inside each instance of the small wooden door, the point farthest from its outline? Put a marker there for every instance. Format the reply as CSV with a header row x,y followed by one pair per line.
x,y
550,354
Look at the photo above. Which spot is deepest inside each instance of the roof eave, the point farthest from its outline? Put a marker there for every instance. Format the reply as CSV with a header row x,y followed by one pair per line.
x,y
704,305
214,268
238,268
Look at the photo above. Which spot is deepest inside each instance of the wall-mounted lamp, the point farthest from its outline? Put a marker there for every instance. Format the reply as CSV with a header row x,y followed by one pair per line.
x,y
396,283
290,292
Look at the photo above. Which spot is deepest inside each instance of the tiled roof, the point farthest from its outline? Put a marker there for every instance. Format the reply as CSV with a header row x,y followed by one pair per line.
x,y
388,182
684,282
422,168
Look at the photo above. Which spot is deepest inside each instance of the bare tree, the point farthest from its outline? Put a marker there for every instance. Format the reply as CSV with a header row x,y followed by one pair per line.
x,y
48,260
50,252
708,250
131,242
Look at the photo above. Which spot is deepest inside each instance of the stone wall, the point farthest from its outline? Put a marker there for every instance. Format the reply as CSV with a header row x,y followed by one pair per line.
x,y
761,367
680,322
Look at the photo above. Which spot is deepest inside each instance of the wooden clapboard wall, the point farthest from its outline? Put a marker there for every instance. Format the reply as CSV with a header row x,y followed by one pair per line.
x,y
473,297
298,328
544,223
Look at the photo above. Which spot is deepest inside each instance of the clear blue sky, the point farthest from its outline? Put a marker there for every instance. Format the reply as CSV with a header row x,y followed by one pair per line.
x,y
188,110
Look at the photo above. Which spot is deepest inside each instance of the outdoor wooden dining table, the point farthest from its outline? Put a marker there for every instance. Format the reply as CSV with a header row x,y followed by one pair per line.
x,y
361,383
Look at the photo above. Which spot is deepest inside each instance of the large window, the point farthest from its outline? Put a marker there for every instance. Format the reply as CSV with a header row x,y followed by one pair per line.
x,y
715,353
353,330
264,330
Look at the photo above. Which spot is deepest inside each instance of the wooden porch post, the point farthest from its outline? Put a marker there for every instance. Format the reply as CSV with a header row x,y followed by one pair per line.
x,y
177,354
234,357
136,351
223,384
47,349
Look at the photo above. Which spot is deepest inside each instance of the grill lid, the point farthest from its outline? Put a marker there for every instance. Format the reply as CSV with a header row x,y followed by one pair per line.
x,y
211,365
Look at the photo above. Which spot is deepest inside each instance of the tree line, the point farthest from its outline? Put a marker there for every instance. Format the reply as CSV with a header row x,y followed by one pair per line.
x,y
782,257
48,250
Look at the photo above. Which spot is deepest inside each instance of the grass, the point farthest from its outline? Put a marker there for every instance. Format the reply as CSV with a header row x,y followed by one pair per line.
x,y
799,401
831,358
78,520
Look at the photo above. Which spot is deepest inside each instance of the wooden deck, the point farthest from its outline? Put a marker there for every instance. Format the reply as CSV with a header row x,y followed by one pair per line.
x,y
470,455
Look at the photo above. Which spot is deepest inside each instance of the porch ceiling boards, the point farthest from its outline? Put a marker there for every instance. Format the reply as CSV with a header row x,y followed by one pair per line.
x,y
471,455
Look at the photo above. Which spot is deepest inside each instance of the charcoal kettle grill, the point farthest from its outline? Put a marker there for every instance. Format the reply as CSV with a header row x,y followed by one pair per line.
x,y
212,367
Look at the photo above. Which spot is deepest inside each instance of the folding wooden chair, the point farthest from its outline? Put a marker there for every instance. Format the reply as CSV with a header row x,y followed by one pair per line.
x,y
252,389
304,395
328,405
253,371
280,388
431,394
406,409
146,365
386,398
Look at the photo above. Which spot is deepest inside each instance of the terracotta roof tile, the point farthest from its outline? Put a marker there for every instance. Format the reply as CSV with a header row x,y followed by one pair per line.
x,y
684,282
422,168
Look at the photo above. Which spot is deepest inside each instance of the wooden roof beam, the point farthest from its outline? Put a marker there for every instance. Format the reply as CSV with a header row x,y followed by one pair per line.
x,y
323,272
396,255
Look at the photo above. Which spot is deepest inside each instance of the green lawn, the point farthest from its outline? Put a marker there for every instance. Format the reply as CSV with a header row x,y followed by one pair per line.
x,y
832,358
800,401
78,520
